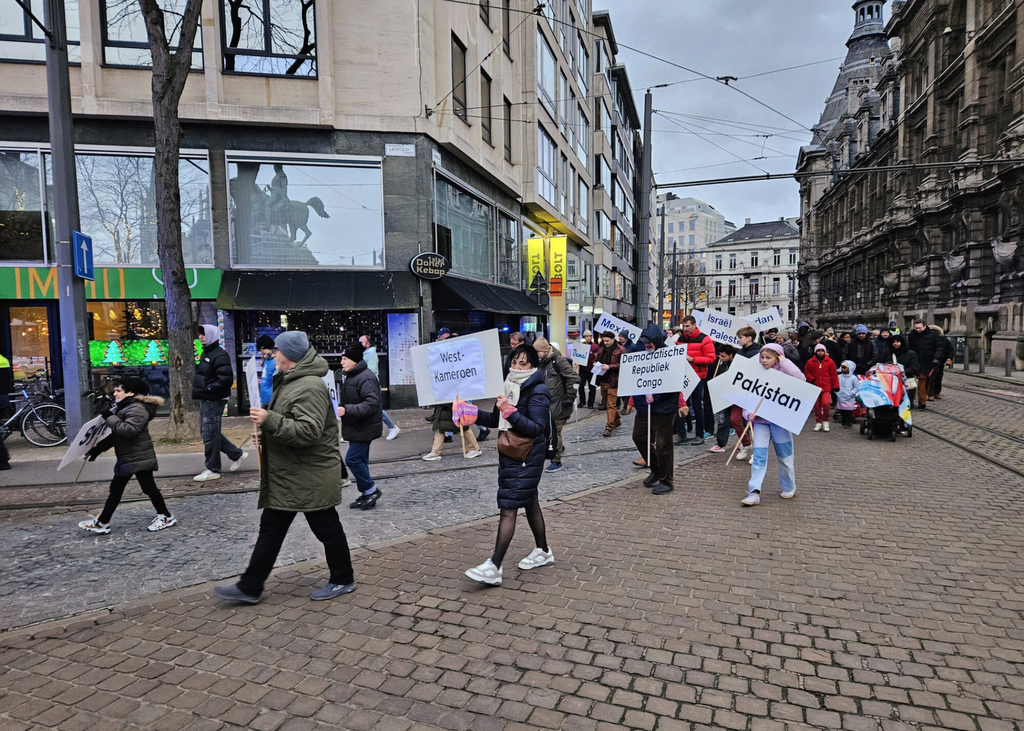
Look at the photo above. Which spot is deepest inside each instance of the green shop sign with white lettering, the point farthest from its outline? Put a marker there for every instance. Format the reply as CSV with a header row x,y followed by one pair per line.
x,y
40,283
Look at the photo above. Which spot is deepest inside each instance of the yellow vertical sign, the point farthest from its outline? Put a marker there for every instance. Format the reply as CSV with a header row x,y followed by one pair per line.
x,y
556,288
535,260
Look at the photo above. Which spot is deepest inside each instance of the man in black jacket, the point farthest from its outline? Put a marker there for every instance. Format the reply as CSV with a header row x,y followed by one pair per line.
x,y
926,343
861,350
661,409
360,414
211,387
945,360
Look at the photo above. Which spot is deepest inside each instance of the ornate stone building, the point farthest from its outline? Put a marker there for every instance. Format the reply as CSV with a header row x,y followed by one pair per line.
x,y
912,189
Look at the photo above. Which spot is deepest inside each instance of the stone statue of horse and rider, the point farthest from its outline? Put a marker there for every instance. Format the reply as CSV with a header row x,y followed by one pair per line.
x,y
271,207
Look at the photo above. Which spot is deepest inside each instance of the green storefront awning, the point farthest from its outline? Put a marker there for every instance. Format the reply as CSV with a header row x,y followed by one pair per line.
x,y
111,283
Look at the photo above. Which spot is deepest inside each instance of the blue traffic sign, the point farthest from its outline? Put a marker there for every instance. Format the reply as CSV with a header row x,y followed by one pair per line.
x,y
82,246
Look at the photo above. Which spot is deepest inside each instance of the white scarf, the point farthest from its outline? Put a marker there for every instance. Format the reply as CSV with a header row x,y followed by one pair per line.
x,y
513,384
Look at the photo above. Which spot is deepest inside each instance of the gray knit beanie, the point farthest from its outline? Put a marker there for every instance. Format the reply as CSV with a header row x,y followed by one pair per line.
x,y
293,344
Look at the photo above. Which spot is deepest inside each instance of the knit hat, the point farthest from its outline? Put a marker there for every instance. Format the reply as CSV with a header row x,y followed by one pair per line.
x,y
135,385
541,344
588,334
830,331
444,331
264,342
293,344
819,346
212,333
354,352
860,329
776,348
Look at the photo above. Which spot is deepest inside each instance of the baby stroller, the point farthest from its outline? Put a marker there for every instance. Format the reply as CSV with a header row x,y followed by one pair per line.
x,y
882,393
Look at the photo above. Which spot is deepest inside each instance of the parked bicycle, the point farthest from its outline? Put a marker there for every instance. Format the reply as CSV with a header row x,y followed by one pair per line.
x,y
38,417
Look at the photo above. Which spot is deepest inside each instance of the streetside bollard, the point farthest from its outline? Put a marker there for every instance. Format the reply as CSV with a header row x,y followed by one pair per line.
x,y
981,359
967,357
1008,364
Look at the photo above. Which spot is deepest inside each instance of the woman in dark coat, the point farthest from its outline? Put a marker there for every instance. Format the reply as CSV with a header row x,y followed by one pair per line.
x,y
128,421
524,410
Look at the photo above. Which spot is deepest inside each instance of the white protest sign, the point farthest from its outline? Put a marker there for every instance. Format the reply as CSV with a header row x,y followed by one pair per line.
x,y
468,367
664,370
610,322
252,382
332,388
788,401
721,327
767,319
92,433
579,353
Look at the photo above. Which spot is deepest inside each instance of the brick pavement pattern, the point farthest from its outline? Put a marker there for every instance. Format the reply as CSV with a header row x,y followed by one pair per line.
x,y
887,595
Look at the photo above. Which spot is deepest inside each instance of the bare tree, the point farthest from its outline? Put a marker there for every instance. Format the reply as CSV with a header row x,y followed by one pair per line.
x,y
170,71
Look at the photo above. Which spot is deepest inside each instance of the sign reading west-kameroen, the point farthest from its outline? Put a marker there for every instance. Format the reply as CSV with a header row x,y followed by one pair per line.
x,y
787,401
720,327
467,367
665,370
609,322
429,265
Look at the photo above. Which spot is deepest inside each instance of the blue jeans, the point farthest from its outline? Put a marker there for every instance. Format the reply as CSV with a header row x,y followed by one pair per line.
x,y
387,420
763,433
358,461
213,441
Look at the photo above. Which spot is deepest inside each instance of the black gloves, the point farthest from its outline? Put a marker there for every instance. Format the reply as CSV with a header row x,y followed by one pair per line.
x,y
92,454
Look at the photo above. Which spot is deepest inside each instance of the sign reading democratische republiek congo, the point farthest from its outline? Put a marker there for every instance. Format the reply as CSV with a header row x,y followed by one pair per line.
x,y
467,367
665,370
787,401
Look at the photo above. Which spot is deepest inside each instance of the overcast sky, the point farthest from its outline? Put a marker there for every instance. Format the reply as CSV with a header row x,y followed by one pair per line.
x,y
734,38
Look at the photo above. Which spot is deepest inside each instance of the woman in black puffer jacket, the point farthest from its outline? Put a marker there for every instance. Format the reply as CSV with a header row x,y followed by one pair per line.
x,y
524,410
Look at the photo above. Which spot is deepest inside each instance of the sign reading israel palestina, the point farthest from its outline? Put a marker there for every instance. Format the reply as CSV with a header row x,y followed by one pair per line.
x,y
767,319
610,322
788,401
468,367
720,327
664,370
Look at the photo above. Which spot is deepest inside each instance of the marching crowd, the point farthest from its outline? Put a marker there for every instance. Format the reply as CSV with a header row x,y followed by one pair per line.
x,y
302,470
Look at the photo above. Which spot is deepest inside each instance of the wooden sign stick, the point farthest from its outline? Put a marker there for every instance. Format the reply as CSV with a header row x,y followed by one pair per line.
x,y
462,430
84,460
747,428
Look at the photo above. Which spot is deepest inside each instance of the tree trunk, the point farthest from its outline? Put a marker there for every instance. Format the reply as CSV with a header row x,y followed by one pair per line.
x,y
169,74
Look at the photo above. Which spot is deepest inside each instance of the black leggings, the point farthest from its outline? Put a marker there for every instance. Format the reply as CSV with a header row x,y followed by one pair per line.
x,y
117,486
507,529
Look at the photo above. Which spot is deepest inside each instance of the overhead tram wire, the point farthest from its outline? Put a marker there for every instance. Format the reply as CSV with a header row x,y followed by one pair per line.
x,y
730,152
738,139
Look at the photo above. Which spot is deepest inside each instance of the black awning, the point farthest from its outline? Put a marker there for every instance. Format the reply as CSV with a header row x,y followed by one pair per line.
x,y
452,293
318,290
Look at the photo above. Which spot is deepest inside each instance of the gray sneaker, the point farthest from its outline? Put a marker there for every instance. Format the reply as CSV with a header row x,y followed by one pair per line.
x,y
234,594
329,591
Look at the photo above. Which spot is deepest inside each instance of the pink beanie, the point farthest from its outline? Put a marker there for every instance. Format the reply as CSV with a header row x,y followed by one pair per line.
x,y
775,348
818,347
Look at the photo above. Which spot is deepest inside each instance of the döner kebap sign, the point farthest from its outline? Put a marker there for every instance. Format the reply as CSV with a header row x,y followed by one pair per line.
x,y
664,370
720,327
467,367
787,401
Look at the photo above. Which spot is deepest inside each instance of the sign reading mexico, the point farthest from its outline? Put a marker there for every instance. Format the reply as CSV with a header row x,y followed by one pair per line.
x,y
787,401
468,367
721,327
610,322
664,370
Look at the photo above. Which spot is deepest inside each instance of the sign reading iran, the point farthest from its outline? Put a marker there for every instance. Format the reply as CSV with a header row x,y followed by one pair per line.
x,y
92,433
767,319
610,322
579,353
664,370
721,327
468,367
788,401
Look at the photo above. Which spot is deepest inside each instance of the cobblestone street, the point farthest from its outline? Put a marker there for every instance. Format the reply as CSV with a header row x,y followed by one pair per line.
x,y
887,595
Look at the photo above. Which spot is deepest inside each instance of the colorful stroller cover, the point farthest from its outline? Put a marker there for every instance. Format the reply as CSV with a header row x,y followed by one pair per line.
x,y
883,386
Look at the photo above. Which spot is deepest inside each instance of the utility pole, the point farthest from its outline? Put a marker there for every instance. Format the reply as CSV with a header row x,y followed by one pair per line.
x,y
643,264
74,338
675,283
661,269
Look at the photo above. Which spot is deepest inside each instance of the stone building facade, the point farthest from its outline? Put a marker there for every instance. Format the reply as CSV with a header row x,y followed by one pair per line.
x,y
912,189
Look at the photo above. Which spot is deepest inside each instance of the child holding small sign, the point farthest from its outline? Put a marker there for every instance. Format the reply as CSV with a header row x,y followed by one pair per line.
x,y
764,432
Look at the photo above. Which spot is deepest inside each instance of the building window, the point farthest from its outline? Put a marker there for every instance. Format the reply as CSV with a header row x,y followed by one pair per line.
x,y
718,262
546,78
582,206
583,138
582,66
508,130
459,78
732,261
125,42
753,258
791,292
692,240
606,126
792,257
732,287
22,40
753,288
271,228
671,227
465,230
718,288
601,228
563,96
547,171
510,266
485,12
22,236
563,188
268,37
506,27
485,107
776,285
693,223
776,258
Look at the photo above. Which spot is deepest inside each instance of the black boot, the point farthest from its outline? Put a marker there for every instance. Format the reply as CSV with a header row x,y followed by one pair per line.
x,y
366,501
651,479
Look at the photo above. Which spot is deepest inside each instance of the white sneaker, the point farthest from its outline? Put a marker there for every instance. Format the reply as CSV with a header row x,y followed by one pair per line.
x,y
162,521
485,573
817,427
236,463
473,454
752,498
537,558
825,426
743,454
93,525
206,476
345,482
788,494
392,433
431,457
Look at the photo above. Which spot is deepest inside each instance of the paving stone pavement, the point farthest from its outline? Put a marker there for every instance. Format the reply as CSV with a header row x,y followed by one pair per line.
x,y
53,569
886,596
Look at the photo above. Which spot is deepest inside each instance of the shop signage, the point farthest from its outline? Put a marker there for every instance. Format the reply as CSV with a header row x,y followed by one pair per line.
x,y
40,283
664,370
535,260
556,266
400,150
429,265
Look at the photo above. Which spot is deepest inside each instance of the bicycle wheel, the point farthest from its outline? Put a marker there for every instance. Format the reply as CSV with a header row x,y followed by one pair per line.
x,y
45,426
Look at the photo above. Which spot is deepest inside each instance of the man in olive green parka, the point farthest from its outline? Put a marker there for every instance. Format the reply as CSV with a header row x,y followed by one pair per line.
x,y
300,471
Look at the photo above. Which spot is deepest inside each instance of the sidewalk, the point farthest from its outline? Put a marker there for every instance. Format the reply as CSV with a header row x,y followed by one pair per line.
x,y
866,605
